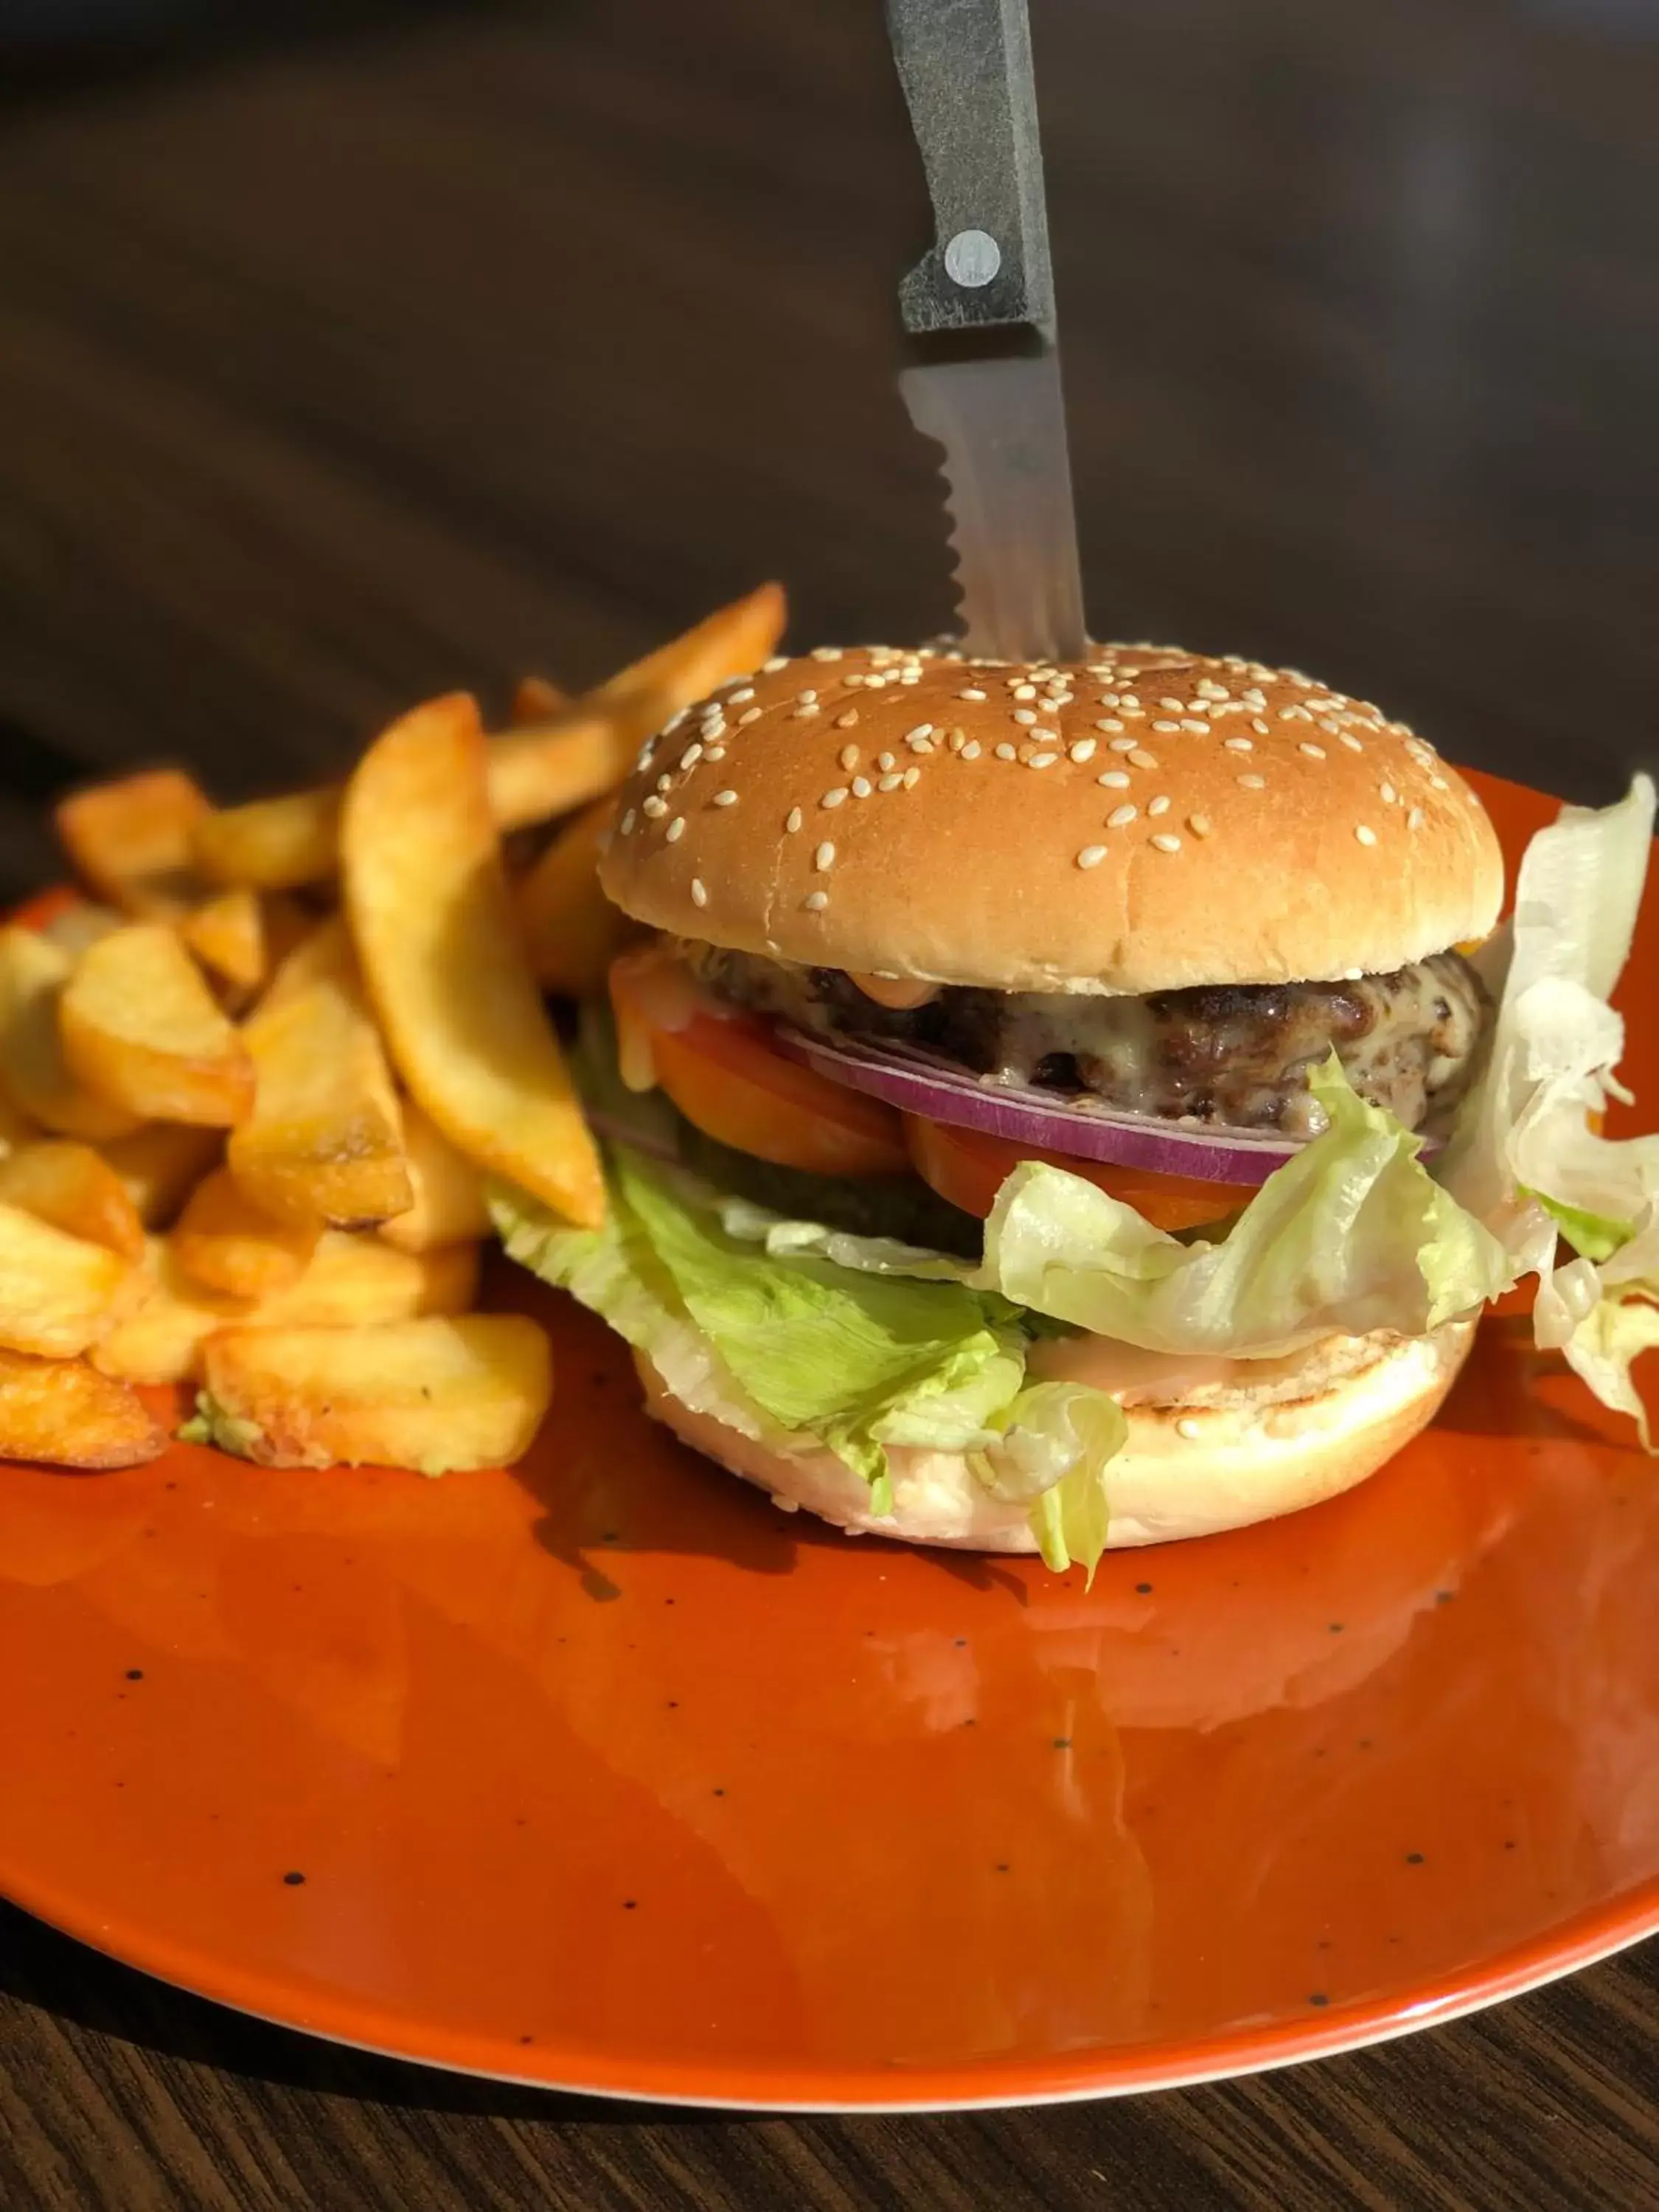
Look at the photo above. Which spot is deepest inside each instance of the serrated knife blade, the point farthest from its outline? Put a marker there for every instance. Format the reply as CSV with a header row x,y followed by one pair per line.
x,y
984,382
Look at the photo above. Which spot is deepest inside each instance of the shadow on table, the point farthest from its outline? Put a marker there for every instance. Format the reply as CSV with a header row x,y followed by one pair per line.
x,y
54,1974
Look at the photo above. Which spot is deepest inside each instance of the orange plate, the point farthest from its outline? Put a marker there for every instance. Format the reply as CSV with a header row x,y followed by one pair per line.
x,y
607,1775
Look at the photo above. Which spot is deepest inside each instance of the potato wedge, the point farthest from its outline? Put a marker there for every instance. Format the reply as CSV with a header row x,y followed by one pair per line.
x,y
161,1165
536,700
578,754
226,1243
61,1413
79,924
131,840
59,1293
226,935
571,930
77,1190
430,912
33,1071
140,1030
449,1201
324,1142
352,1280
435,1397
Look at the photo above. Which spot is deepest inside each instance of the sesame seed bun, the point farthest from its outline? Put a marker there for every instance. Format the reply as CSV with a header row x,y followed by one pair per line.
x,y
1149,820
1209,1459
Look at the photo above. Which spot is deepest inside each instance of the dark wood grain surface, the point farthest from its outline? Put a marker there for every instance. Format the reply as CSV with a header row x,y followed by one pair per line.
x,y
433,347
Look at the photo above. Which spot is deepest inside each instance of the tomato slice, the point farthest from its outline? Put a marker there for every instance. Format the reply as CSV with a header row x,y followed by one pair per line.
x,y
722,1072
968,1169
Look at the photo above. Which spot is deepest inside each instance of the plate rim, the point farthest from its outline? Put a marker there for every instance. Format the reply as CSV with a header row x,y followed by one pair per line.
x,y
1583,1939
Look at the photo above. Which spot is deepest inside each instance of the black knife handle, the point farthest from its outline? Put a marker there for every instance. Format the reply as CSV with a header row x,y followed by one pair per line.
x,y
965,67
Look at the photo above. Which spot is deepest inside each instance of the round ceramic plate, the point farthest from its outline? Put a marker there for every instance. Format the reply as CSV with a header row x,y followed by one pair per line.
x,y
606,1774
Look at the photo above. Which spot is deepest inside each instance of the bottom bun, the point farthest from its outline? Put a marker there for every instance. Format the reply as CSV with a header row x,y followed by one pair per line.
x,y
1220,1458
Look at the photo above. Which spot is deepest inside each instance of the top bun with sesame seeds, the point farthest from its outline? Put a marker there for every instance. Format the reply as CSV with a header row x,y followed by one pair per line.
x,y
1148,820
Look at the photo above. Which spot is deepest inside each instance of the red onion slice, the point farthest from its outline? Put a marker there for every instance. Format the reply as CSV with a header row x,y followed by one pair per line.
x,y
917,1082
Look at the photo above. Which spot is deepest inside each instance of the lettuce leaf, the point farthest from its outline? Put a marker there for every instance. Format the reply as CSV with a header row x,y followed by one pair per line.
x,y
1527,1154
880,1346
1351,1235
1059,1440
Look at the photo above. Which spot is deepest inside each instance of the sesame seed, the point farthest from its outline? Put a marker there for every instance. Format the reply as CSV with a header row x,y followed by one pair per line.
x,y
1129,699
1025,717
803,713
911,778
674,721
861,787
1006,752
920,745
792,820
1110,723
1253,782
778,660
699,893
1197,729
890,781
816,901
1188,1427
1200,824
1165,843
691,756
972,750
744,691
885,760
1026,690
1414,819
1172,706
1159,805
726,797
676,829
825,858
665,783
1439,783
1354,743
1365,833
1041,760
809,697
921,730
826,652
714,752
1312,751
846,722
1258,725
848,756
972,692
1138,759
1091,856
653,806
749,714
1083,750
1113,780
1166,727
1386,793
626,825
1238,744
835,798
1121,817
1126,744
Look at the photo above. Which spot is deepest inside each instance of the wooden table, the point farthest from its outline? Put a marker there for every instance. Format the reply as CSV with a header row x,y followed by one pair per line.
x,y
451,344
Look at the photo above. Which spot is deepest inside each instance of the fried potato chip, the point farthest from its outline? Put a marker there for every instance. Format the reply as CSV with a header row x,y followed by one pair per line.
x,y
449,1201
61,1413
226,935
131,840
33,1071
59,1293
435,1396
161,1165
79,924
429,910
353,1279
577,755
77,1190
324,1142
572,932
226,1243
141,1031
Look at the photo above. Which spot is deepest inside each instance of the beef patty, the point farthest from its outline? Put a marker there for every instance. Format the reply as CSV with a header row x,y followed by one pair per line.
x,y
1233,1055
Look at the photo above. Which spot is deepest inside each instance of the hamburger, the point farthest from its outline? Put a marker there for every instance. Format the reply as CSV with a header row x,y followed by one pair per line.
x,y
1026,1109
